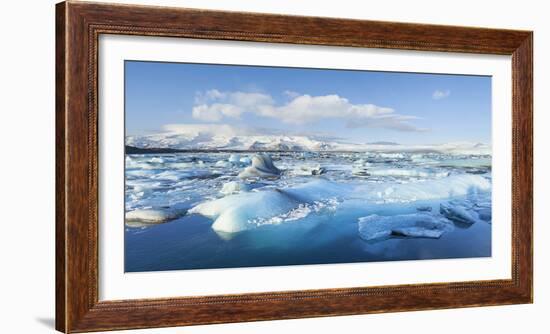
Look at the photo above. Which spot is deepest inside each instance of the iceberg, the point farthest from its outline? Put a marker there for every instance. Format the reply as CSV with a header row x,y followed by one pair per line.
x,y
152,216
420,225
262,166
458,213
235,213
247,210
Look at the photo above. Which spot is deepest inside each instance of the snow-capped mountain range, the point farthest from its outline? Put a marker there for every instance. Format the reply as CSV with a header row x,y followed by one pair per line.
x,y
275,142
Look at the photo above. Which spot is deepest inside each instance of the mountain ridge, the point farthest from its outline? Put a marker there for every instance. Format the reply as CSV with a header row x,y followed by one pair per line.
x,y
207,142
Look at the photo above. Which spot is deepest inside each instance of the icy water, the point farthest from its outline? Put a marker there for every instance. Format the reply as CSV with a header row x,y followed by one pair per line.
x,y
193,210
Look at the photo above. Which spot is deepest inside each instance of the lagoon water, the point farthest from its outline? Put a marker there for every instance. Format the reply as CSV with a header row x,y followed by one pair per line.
x,y
222,209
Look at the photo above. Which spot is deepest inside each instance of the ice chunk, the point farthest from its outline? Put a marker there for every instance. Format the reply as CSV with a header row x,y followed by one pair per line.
x,y
451,186
319,190
224,164
245,161
309,170
424,208
262,166
375,227
237,213
248,210
234,187
157,160
234,158
458,213
359,170
392,155
417,232
153,216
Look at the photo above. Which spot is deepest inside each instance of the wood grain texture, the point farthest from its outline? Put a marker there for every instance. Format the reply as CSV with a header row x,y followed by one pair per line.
x,y
78,27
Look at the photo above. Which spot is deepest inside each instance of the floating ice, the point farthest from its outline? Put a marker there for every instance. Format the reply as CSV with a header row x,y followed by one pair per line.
x,y
247,210
417,232
175,175
375,227
235,213
306,170
391,155
458,213
224,164
245,161
424,208
451,186
262,166
157,160
409,172
152,216
238,212
234,187
234,158
360,170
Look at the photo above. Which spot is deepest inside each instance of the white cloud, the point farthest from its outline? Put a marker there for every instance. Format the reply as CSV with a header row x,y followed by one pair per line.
x,y
213,106
441,94
291,94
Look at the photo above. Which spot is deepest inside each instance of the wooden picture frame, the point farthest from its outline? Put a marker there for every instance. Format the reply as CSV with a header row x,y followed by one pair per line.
x,y
78,26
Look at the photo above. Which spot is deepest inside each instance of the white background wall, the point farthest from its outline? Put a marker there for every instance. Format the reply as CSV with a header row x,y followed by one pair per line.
x,y
27,69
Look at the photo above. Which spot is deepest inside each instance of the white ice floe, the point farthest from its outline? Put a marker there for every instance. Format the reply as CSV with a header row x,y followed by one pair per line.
x,y
307,170
235,213
375,227
459,213
234,159
234,187
403,172
242,211
157,160
224,164
391,155
153,216
451,186
247,210
262,166
245,161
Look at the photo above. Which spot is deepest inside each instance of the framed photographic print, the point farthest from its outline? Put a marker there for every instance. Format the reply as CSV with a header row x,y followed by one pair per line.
x,y
222,166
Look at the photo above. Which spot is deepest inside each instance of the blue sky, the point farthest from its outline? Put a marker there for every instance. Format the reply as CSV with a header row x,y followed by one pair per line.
x,y
356,106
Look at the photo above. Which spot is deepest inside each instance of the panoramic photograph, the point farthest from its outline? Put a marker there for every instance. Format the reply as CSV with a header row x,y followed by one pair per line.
x,y
230,166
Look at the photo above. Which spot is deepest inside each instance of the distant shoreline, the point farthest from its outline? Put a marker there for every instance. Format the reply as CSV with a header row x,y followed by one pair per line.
x,y
157,150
